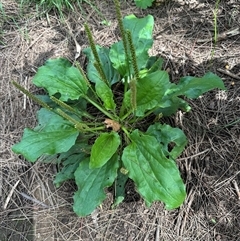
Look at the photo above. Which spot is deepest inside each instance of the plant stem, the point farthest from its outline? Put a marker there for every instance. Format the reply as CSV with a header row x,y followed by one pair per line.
x,y
31,96
232,123
62,104
100,108
133,87
122,108
83,127
83,74
97,128
78,125
215,22
70,109
126,115
215,28
125,131
137,119
87,81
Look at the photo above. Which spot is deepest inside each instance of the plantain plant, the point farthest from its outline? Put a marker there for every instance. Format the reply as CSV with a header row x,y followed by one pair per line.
x,y
103,125
144,3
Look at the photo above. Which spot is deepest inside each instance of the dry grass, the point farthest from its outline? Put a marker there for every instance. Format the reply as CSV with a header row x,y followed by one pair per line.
x,y
33,209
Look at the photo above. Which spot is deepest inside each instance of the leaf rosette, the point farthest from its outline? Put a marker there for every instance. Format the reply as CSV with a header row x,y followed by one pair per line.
x,y
97,125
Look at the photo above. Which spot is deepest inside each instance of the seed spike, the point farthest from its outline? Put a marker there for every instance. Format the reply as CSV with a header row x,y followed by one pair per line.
x,y
97,64
31,96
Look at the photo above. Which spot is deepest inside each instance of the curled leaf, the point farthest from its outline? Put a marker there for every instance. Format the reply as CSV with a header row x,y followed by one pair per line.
x,y
112,124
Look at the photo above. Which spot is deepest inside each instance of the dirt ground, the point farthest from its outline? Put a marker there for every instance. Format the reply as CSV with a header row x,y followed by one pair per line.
x,y
31,208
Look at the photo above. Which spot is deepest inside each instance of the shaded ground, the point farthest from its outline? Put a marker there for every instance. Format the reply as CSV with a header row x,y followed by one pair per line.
x,y
209,165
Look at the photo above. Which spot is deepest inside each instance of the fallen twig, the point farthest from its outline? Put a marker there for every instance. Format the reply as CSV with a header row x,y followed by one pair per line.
x,y
77,45
229,33
25,96
34,200
236,188
222,36
10,195
227,72
195,155
157,232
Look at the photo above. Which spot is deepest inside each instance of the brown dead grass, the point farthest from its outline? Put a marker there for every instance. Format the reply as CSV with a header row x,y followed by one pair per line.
x,y
34,209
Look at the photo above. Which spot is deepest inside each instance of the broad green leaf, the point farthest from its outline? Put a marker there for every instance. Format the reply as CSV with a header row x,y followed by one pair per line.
x,y
170,105
150,90
144,3
70,165
91,184
120,188
141,32
193,87
52,135
166,135
127,100
156,177
118,59
70,161
59,76
110,73
154,63
103,149
105,94
48,159
80,147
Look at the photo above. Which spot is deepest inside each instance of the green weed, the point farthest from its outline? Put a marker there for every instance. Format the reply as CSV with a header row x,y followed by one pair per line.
x,y
60,6
104,126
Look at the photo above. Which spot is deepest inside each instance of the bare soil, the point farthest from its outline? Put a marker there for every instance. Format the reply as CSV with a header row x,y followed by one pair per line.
x,y
33,209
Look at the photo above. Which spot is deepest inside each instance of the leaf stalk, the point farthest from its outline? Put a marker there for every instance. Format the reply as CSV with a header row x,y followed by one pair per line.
x,y
100,108
78,125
